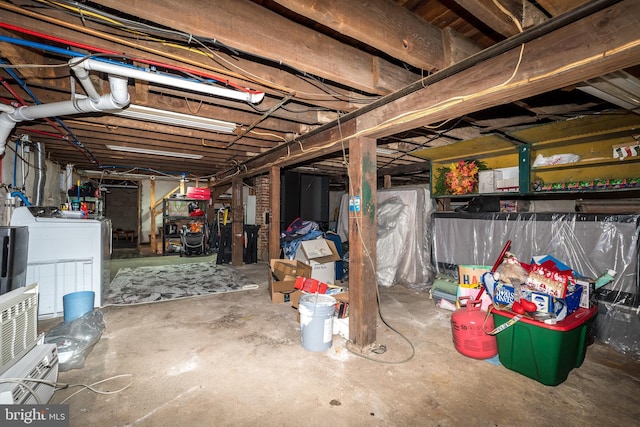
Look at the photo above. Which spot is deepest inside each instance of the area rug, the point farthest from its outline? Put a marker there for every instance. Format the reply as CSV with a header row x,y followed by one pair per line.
x,y
143,285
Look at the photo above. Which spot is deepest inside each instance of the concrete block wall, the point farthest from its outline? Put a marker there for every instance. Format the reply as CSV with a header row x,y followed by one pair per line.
x,y
122,208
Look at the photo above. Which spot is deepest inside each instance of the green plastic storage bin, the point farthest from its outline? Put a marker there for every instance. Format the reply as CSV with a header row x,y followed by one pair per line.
x,y
545,353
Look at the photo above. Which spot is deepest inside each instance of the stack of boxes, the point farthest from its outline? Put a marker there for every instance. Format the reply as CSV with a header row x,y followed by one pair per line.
x,y
312,270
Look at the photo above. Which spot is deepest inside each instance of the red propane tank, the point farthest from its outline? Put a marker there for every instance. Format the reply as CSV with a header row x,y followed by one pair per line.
x,y
468,336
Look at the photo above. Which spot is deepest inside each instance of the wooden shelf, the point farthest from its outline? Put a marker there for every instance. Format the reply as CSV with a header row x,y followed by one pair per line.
x,y
594,144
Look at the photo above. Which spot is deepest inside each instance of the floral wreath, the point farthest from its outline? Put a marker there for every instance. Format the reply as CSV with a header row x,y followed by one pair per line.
x,y
458,178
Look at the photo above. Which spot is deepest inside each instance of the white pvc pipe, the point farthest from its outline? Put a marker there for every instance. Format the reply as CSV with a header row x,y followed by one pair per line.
x,y
91,64
114,101
85,81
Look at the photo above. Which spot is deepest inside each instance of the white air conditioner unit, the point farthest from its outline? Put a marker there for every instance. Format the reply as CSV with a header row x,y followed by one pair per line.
x,y
41,363
18,324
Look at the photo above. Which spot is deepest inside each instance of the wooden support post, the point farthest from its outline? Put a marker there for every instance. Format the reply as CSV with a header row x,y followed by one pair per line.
x,y
387,182
362,242
152,212
237,228
274,213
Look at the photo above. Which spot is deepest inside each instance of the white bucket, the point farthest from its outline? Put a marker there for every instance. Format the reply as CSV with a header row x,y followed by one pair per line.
x,y
316,321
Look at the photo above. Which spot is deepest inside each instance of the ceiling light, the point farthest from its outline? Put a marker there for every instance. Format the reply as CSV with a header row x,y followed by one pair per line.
x,y
176,119
154,152
385,151
619,88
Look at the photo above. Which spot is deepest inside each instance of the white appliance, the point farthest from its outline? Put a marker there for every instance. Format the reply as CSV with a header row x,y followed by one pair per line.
x,y
41,363
18,324
66,254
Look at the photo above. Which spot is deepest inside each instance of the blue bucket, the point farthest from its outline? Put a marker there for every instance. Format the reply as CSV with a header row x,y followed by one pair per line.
x,y
77,304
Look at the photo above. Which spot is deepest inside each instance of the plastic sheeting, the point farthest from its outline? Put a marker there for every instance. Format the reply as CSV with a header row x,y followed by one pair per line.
x,y
589,243
404,238
76,339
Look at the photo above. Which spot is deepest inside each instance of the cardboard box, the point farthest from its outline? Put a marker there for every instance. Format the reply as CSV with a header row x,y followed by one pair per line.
x,y
486,182
282,285
295,299
321,255
285,269
471,274
507,179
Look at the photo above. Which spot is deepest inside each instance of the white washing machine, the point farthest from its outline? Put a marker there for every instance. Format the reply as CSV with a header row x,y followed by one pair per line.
x,y
66,254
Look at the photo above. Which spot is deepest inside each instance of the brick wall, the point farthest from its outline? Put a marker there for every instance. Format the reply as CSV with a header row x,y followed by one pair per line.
x,y
263,198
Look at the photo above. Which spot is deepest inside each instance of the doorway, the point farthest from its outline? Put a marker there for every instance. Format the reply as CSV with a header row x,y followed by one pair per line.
x,y
122,207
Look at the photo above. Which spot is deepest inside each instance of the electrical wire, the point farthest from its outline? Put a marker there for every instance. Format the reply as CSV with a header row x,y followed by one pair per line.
x,y
120,22
95,390
424,144
62,386
509,14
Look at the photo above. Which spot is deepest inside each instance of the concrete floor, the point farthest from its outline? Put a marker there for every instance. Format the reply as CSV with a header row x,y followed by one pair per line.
x,y
236,360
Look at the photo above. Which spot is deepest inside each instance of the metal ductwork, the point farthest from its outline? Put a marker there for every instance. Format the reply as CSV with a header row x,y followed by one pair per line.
x,y
41,174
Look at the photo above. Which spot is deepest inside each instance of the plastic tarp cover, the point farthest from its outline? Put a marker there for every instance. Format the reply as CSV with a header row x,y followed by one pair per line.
x,y
404,239
588,243
76,339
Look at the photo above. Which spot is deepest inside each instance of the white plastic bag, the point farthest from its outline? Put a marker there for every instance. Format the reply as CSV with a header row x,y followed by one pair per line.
x,y
75,339
556,159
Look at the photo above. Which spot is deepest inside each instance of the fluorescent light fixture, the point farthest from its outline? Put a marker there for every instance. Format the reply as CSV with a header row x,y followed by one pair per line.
x,y
154,152
177,119
385,151
619,88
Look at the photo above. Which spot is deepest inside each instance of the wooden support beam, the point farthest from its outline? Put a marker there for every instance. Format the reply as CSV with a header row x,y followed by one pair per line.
x,y
217,191
555,7
566,56
237,226
507,19
274,213
571,54
247,26
363,305
456,46
398,32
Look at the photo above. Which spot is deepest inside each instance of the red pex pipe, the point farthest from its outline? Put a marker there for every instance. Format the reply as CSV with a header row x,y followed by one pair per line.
x,y
112,52
22,102
45,133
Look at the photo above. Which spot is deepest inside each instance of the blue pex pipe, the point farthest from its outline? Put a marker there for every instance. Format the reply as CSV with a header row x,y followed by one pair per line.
x,y
22,197
71,53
